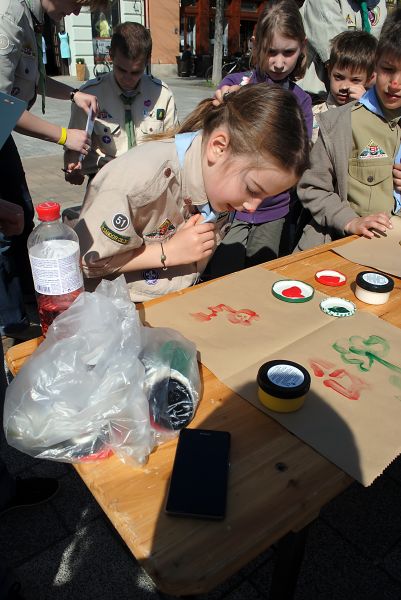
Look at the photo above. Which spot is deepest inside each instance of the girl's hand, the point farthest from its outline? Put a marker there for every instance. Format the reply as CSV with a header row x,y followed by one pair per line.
x,y
78,140
226,89
356,91
192,243
397,177
86,102
364,225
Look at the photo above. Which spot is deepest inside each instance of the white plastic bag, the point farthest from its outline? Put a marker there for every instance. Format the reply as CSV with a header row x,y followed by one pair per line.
x,y
83,394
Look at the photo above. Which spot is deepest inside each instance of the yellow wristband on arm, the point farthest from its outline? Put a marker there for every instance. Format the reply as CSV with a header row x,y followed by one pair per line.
x,y
63,137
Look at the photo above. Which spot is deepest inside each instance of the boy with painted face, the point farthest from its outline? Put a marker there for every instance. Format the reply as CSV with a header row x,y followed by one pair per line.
x,y
349,188
351,71
132,104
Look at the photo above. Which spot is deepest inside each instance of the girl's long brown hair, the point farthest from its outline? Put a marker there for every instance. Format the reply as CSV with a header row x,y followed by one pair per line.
x,y
261,120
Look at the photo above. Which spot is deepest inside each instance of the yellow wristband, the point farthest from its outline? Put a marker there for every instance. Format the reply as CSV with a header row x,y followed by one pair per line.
x,y
63,137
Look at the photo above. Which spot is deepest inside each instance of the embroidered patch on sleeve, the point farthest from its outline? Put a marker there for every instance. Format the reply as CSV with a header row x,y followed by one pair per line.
x,y
164,230
372,150
4,42
160,114
120,221
113,236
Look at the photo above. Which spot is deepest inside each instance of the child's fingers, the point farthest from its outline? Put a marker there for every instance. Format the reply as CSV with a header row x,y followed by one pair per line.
x,y
192,221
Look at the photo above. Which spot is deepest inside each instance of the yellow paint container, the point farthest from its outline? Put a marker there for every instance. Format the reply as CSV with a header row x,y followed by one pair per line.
x,y
283,385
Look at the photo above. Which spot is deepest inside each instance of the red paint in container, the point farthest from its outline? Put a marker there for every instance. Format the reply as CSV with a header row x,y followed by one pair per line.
x,y
330,277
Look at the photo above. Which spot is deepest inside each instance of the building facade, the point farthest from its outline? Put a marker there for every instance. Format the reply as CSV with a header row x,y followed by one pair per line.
x,y
89,35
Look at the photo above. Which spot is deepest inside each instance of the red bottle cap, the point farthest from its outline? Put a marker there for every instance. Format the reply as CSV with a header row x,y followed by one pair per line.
x,y
48,211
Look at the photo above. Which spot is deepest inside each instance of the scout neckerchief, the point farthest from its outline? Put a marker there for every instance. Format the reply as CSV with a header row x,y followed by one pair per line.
x,y
369,99
129,125
182,143
38,29
364,15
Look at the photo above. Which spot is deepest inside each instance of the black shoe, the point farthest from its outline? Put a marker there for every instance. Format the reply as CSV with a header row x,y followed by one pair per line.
x,y
14,593
31,492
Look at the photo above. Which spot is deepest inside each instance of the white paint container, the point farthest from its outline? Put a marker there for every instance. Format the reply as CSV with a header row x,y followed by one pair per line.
x,y
373,288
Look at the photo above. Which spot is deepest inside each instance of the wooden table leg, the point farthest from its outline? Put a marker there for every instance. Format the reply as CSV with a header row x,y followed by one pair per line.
x,y
290,553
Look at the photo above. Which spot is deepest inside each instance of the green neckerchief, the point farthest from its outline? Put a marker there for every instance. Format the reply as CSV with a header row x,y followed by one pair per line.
x,y
364,15
38,29
129,125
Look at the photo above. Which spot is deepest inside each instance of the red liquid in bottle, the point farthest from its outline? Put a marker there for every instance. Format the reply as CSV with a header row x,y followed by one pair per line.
x,y
50,307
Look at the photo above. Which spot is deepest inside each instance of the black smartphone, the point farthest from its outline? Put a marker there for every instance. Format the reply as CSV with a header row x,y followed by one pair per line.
x,y
198,485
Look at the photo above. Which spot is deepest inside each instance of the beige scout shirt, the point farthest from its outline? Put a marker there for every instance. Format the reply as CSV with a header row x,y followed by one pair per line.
x,y
19,71
370,180
153,111
143,197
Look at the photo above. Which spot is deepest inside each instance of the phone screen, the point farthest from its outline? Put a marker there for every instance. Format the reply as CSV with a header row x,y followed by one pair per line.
x,y
198,485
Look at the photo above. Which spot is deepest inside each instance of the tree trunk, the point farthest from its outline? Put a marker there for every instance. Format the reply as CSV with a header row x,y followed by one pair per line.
x,y
218,42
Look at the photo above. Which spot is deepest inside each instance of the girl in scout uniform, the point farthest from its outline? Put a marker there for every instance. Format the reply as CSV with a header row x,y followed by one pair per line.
x,y
22,74
132,104
349,188
151,214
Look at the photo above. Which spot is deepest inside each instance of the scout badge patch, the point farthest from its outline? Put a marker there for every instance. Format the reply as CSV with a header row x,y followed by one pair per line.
x,y
160,114
372,150
120,222
164,230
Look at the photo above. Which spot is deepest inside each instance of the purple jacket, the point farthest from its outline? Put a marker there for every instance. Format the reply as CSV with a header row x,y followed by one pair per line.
x,y
273,207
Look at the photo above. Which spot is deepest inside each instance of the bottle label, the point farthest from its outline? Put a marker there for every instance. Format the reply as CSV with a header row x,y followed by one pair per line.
x,y
55,267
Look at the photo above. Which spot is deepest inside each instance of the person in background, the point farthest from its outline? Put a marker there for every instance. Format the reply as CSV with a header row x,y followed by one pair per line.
x,y
351,71
278,52
103,26
351,186
22,74
132,104
322,22
187,61
156,213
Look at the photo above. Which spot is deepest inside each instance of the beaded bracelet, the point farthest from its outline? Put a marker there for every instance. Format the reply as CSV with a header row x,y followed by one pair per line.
x,y
72,94
163,258
63,137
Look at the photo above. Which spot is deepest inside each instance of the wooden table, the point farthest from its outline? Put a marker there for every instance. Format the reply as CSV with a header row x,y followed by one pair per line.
x,y
277,483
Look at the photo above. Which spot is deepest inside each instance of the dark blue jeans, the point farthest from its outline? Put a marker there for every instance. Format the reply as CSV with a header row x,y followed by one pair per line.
x,y
15,271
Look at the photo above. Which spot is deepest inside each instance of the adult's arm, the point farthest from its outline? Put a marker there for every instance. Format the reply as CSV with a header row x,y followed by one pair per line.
x,y
29,124
61,91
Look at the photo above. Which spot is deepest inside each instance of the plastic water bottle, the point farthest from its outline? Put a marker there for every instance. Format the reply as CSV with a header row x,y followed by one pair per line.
x,y
53,249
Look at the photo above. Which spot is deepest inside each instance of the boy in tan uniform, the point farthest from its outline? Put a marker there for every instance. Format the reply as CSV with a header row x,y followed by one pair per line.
x,y
132,104
351,70
349,188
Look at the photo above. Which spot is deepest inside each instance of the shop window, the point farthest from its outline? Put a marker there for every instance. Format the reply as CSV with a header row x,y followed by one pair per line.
x,y
103,23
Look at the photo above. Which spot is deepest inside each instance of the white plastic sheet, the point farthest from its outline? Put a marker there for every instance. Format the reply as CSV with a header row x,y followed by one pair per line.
x,y
102,382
